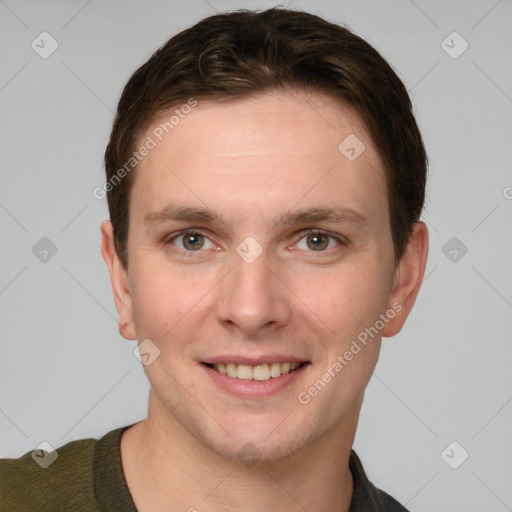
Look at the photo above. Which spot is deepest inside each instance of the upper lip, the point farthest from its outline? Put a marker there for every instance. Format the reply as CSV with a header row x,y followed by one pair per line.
x,y
254,361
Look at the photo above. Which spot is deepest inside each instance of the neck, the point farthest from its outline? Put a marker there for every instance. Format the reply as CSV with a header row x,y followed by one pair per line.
x,y
167,468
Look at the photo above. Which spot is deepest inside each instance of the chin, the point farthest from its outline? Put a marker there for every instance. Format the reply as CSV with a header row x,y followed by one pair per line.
x,y
266,444
256,451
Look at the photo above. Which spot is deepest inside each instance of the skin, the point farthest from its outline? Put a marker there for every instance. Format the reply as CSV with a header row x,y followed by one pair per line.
x,y
252,161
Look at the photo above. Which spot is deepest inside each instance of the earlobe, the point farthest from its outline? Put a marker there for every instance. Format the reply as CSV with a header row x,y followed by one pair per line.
x,y
408,279
119,281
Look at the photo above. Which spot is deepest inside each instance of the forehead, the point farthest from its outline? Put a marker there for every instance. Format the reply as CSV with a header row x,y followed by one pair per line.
x,y
279,148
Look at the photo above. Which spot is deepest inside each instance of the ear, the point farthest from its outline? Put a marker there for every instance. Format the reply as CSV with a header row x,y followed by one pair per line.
x,y
408,278
119,280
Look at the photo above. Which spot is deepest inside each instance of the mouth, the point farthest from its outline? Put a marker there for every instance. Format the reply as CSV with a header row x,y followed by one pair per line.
x,y
260,372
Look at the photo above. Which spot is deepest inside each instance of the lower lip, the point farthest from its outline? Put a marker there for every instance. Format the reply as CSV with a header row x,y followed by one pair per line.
x,y
254,388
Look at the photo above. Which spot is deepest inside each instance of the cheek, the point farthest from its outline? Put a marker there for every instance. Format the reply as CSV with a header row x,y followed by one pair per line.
x,y
169,304
158,304
347,301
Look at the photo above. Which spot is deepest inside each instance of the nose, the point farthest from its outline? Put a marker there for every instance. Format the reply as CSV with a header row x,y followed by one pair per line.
x,y
253,298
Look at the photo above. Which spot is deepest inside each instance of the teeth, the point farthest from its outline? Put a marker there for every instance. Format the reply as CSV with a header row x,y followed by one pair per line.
x,y
231,369
244,371
260,372
275,369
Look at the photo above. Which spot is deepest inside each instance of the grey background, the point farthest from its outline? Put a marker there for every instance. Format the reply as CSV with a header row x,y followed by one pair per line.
x,y
65,373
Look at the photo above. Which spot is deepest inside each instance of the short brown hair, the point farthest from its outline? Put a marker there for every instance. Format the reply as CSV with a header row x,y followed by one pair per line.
x,y
244,53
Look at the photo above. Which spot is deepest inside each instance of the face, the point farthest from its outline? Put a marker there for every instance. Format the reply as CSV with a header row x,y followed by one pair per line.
x,y
259,252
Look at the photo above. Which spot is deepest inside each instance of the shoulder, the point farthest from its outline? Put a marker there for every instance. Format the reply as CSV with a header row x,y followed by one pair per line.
x,y
366,497
45,480
386,502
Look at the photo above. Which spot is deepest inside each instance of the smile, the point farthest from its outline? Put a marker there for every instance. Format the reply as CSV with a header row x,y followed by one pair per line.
x,y
260,372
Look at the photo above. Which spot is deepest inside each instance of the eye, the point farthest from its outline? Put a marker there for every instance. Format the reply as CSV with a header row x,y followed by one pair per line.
x,y
318,241
191,241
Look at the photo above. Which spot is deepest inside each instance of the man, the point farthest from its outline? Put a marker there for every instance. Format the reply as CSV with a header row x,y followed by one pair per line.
x,y
265,178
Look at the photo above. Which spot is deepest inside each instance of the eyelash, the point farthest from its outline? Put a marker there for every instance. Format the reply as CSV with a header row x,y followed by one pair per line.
x,y
341,240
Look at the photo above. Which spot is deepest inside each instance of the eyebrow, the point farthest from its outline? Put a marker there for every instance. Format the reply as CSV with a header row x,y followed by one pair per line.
x,y
334,214
186,213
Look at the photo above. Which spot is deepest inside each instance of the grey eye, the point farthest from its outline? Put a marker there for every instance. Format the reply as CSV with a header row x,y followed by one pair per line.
x,y
192,241
317,241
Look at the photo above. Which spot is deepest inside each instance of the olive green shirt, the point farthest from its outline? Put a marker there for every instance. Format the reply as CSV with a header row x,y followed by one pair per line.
x,y
87,476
